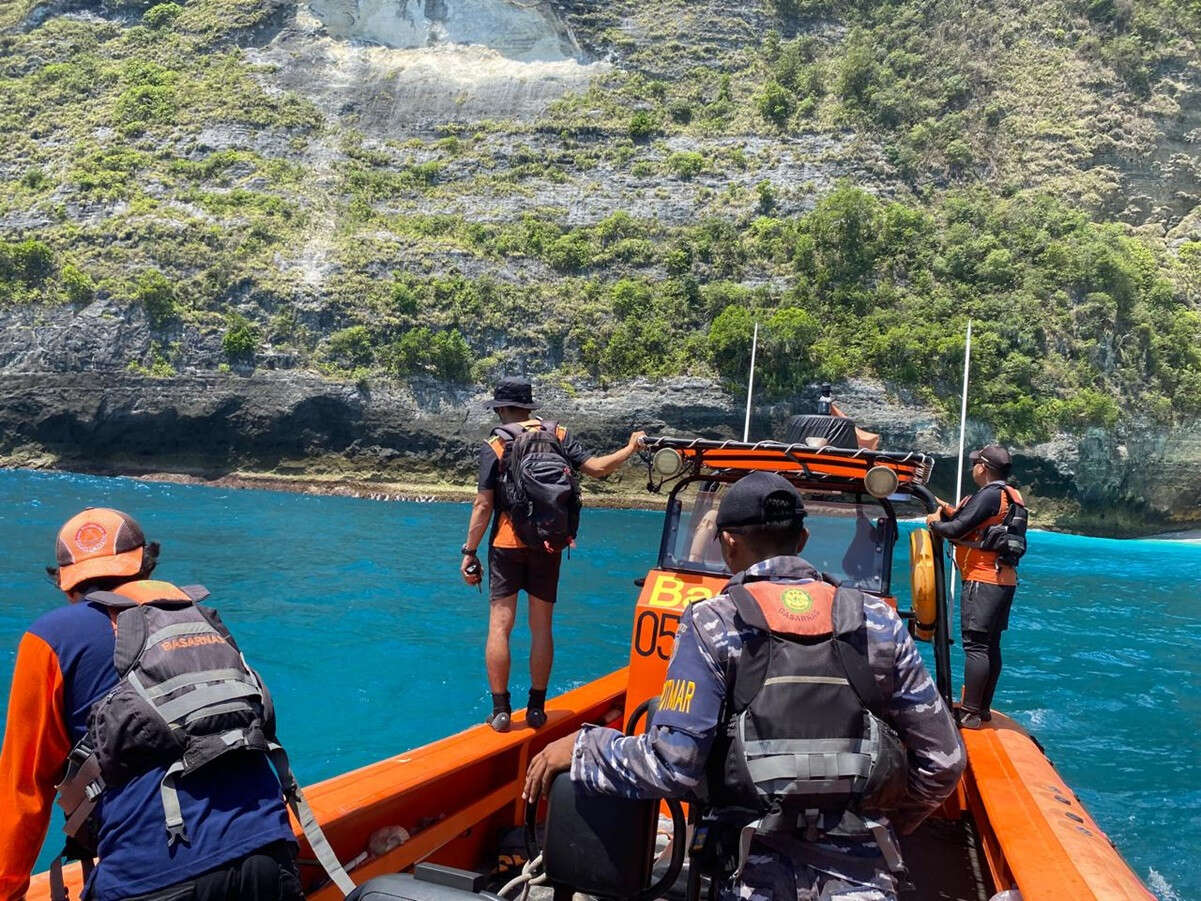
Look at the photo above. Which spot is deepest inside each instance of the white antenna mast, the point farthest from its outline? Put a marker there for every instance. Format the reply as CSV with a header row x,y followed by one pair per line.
x,y
967,363
750,387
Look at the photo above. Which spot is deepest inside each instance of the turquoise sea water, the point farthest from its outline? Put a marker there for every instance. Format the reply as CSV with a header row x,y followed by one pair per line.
x,y
354,613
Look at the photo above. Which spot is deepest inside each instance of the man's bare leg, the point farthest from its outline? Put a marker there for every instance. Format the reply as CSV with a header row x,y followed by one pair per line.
x,y
542,656
501,614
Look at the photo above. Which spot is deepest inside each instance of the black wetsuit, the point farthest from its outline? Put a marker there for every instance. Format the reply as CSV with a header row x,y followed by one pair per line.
x,y
984,607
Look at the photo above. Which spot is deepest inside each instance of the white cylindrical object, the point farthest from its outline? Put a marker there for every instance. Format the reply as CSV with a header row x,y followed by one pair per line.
x,y
967,362
750,386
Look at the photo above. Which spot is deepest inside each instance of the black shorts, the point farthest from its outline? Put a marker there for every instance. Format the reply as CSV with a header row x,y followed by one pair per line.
x,y
514,569
268,874
985,607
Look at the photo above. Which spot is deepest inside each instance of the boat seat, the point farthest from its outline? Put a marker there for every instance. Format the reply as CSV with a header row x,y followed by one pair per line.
x,y
838,431
598,845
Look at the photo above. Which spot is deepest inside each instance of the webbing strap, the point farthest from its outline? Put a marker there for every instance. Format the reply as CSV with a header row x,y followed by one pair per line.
x,y
888,846
170,797
308,822
206,696
215,710
765,746
58,886
186,679
805,680
83,783
179,629
745,836
800,767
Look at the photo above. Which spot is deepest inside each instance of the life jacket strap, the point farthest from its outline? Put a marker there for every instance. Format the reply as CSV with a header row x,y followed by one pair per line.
x,y
176,831
887,844
58,886
308,822
745,836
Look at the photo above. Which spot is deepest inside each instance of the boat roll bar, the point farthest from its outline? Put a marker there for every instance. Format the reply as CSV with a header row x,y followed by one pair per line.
x,y
816,468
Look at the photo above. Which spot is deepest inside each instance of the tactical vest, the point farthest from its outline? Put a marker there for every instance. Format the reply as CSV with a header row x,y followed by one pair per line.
x,y
806,751
185,697
981,564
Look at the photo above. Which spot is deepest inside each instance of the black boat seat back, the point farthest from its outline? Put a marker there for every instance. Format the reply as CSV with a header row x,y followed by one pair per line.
x,y
837,430
598,845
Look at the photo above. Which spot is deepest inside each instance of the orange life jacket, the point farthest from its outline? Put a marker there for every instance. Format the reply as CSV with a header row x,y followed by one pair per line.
x,y
976,564
503,534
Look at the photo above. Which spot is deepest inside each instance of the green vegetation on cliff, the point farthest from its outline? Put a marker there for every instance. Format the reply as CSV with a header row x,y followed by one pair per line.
x,y
1027,168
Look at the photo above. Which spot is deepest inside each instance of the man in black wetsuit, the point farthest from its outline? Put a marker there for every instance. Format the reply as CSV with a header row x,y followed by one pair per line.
x,y
988,584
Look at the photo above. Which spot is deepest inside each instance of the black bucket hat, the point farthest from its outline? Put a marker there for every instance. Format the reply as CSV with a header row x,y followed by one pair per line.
x,y
512,392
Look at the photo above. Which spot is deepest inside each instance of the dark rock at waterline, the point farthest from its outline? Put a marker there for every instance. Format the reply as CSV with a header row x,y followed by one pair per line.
x,y
213,423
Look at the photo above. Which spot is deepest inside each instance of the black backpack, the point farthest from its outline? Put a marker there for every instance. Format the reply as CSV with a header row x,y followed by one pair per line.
x,y
538,485
1008,537
184,697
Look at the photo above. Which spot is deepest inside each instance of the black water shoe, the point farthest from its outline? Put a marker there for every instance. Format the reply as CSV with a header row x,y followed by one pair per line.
x,y
535,712
499,721
970,721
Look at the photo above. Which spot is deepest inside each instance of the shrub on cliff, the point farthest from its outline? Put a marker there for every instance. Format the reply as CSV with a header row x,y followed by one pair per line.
x,y
776,104
77,285
241,338
422,351
643,126
155,292
161,15
351,348
27,263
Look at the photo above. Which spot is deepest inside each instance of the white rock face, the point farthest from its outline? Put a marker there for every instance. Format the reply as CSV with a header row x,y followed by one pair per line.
x,y
529,32
391,67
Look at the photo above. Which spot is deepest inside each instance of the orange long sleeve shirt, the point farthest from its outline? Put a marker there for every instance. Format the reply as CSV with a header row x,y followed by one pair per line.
x,y
32,761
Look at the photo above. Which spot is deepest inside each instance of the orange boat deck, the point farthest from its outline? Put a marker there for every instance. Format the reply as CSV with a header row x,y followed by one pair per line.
x,y
1012,823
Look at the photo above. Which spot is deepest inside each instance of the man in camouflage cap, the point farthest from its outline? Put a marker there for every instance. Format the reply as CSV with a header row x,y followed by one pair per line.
x,y
761,527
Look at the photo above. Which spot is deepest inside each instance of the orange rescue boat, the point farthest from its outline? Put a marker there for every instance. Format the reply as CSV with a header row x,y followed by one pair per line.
x,y
1013,824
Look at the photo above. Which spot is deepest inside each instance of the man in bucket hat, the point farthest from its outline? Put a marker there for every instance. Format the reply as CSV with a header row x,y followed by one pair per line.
x,y
239,842
514,566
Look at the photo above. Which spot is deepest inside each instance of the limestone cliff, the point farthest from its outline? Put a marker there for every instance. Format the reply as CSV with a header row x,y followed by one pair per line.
x,y
303,235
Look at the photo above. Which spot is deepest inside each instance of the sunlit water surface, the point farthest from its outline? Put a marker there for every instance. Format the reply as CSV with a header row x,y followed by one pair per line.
x,y
354,613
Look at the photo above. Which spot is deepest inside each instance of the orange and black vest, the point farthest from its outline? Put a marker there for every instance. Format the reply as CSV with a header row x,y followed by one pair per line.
x,y
805,743
977,564
503,534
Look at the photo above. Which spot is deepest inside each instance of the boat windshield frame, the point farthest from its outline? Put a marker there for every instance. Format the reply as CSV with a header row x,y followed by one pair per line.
x,y
794,464
848,501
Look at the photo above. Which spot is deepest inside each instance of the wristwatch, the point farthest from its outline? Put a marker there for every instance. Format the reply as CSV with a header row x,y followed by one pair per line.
x,y
467,551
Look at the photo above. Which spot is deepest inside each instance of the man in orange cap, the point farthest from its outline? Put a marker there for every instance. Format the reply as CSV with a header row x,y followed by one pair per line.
x,y
239,843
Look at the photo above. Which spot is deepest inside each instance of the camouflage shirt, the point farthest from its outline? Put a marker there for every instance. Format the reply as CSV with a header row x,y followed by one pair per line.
x,y
669,761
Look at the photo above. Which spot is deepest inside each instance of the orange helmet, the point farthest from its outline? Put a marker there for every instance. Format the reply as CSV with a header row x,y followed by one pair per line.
x,y
99,543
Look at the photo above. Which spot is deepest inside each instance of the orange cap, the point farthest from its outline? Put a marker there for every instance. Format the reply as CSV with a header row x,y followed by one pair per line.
x,y
98,543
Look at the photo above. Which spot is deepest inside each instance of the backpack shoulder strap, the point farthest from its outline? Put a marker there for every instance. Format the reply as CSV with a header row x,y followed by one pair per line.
x,y
110,599
1014,495
747,607
752,667
850,647
308,822
507,432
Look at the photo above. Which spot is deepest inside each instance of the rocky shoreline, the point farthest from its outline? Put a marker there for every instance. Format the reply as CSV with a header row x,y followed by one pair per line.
x,y
290,430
